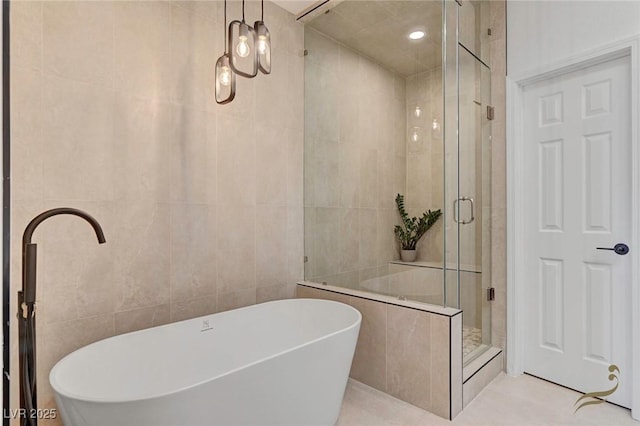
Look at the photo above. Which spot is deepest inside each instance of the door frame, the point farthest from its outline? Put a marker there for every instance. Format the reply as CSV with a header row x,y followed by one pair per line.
x,y
515,199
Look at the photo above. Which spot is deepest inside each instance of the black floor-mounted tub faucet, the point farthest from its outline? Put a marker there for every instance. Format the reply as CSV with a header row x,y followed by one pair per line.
x,y
26,310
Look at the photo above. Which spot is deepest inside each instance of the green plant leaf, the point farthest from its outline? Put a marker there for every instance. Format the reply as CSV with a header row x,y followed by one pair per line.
x,y
414,228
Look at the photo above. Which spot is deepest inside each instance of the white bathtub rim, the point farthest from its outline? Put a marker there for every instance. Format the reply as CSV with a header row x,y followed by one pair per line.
x,y
82,398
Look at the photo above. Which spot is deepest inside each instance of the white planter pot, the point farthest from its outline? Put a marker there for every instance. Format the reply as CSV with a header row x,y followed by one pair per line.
x,y
408,255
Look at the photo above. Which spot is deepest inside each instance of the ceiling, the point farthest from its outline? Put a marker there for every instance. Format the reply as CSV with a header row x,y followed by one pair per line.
x,y
380,29
295,6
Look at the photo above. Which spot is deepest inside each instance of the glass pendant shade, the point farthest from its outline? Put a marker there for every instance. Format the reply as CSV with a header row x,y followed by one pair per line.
x,y
225,80
242,49
264,47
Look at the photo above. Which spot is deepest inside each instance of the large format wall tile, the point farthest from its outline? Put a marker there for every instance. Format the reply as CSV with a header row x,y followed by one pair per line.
x,y
193,154
142,257
368,232
295,244
349,244
327,172
236,162
79,148
26,31
78,41
143,135
139,319
275,292
271,166
370,359
193,257
409,355
236,299
441,361
295,164
193,308
191,77
326,240
272,94
236,249
271,246
142,49
27,135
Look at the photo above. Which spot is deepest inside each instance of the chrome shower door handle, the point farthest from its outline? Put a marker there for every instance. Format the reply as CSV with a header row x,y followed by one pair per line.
x,y
473,216
455,210
456,219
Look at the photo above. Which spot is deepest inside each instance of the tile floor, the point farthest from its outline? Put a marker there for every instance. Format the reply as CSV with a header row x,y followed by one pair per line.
x,y
507,401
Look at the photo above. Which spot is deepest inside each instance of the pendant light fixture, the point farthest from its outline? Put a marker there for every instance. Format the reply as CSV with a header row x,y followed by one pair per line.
x,y
264,43
242,48
225,77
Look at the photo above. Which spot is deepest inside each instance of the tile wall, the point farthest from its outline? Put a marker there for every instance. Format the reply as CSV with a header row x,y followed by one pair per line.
x,y
425,174
413,355
113,112
355,162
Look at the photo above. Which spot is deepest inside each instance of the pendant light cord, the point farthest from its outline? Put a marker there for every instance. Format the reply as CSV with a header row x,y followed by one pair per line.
x,y
262,13
242,10
224,30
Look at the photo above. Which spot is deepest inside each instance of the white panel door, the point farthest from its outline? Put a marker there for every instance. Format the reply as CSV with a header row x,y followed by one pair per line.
x,y
578,183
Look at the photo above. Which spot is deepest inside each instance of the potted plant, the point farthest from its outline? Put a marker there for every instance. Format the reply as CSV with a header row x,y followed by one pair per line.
x,y
412,229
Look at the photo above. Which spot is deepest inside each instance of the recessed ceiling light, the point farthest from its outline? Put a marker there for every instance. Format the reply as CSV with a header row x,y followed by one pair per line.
x,y
416,35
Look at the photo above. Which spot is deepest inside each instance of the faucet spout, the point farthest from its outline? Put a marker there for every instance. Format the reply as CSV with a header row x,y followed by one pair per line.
x,y
31,227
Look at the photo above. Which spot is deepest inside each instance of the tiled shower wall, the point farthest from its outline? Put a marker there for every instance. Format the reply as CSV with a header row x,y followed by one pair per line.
x,y
354,162
113,112
425,174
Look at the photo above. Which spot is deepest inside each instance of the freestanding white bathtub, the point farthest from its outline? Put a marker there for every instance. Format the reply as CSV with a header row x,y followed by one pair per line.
x,y
278,363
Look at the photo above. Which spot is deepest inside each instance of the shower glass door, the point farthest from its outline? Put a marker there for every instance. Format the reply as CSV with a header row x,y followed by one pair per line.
x,y
473,206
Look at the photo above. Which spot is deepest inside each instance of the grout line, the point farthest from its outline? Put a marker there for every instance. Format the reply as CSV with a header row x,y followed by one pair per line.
x,y
386,348
215,221
450,372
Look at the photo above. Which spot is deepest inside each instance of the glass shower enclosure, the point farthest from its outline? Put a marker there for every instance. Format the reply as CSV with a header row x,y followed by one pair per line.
x,y
387,113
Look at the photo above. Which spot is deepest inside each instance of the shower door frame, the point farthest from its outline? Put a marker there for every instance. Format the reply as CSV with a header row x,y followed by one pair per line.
x,y
516,196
